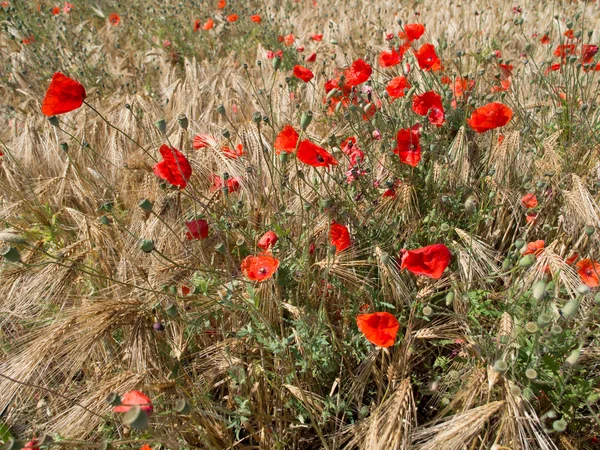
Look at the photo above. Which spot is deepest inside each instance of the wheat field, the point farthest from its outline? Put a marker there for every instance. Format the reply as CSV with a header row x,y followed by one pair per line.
x,y
105,290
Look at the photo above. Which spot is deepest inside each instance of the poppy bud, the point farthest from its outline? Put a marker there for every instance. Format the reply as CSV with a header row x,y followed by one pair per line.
x,y
519,243
276,63
12,444
570,308
171,310
161,125
226,134
182,406
597,298
113,399
136,418
8,236
64,147
306,119
256,117
527,261
470,205
283,157
53,121
183,121
589,230
500,366
127,106
583,289
449,298
146,205
105,445
158,326
221,109
573,357
538,290
10,254
146,245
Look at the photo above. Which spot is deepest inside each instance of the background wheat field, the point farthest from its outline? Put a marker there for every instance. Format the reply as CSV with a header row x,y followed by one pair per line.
x,y
104,289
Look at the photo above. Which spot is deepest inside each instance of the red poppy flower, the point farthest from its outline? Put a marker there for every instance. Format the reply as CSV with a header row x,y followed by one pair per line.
x,y
317,37
312,57
505,70
303,73
461,85
504,86
208,25
286,140
529,201
380,328
427,58
174,168
571,259
570,34
414,31
589,272
339,236
259,268
357,73
314,155
389,59
545,39
564,50
233,185
222,4
232,18
408,147
531,218
289,39
28,40
145,447
198,229
237,151
397,87
67,7
63,95
256,18
588,52
114,19
430,261
197,25
133,398
429,103
490,116
56,10
268,240
534,248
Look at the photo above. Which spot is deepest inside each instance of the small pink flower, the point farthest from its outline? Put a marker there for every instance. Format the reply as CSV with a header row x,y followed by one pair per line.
x,y
376,135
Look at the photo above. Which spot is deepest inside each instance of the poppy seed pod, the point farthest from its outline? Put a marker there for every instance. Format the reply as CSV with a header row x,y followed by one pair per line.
x,y
53,121
64,147
559,425
113,399
161,125
136,418
276,63
182,406
171,310
306,119
220,248
449,298
226,134
221,109
183,121
589,230
527,261
500,366
146,245
538,290
10,254
256,117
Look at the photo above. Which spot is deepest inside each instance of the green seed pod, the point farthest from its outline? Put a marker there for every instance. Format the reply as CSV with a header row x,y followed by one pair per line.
x,y
470,205
183,121
146,205
544,319
113,399
570,308
450,298
64,147
182,406
559,425
276,63
146,245
556,329
10,254
332,93
507,264
538,291
527,261
306,119
531,374
531,327
161,125
171,309
515,390
519,244
583,289
53,121
573,357
221,110
500,366
256,117
225,133
220,248
12,444
136,418
284,157
427,311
